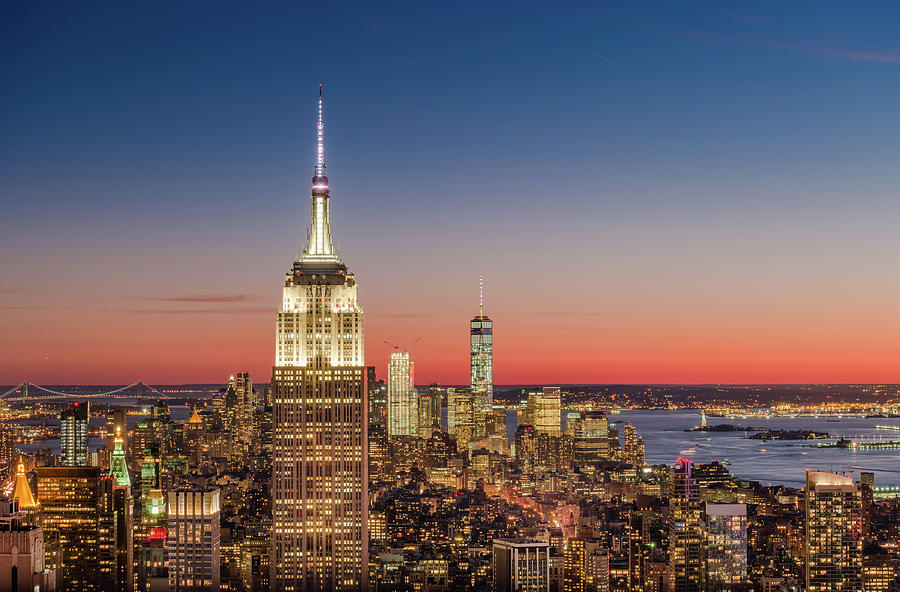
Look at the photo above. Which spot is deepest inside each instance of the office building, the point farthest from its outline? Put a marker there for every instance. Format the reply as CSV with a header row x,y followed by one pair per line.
x,y
22,564
429,411
73,428
633,446
403,408
543,411
726,545
833,533
123,506
7,449
591,438
71,504
687,537
463,411
586,566
194,540
521,565
481,363
320,472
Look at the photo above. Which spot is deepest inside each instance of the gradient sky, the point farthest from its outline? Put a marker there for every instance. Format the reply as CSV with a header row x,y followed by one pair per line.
x,y
654,192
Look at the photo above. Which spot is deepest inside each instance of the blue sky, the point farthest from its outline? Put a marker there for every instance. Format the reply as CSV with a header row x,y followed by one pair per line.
x,y
665,154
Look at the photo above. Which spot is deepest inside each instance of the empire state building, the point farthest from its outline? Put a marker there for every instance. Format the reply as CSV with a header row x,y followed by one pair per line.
x,y
319,469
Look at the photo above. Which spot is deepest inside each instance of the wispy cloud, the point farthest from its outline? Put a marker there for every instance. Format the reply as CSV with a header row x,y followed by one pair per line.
x,y
192,311
401,315
889,57
559,313
837,53
604,58
200,298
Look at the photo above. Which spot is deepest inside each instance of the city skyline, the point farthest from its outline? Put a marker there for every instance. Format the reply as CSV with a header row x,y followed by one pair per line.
x,y
681,222
721,182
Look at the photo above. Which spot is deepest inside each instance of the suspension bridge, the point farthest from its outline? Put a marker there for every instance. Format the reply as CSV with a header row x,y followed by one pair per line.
x,y
28,391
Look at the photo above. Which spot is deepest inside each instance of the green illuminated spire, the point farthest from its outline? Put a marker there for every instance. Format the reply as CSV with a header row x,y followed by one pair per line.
x,y
117,466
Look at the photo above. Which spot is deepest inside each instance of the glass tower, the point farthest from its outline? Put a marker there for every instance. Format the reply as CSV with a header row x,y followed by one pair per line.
x,y
481,348
319,469
73,428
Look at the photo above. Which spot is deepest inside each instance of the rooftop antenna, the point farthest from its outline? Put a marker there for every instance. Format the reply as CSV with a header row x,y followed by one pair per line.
x,y
320,140
481,295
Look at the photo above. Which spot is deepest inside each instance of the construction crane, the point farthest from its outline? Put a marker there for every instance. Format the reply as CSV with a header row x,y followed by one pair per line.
x,y
397,346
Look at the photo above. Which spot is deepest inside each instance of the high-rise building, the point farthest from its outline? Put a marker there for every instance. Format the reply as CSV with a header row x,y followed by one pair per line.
x,y
403,408
194,540
73,441
591,438
429,411
633,448
246,403
150,533
878,573
7,449
320,472
586,566
521,565
481,363
123,505
543,411
726,545
71,500
833,533
463,416
22,565
116,421
687,539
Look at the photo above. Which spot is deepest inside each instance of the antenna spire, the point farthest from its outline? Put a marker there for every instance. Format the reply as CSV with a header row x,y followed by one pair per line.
x,y
320,140
320,247
481,295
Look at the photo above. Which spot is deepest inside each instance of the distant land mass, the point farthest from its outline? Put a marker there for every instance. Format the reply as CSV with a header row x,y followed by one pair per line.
x,y
609,395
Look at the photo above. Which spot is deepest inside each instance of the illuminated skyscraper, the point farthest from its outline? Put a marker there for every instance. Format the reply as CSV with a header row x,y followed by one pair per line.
x,y
521,565
429,411
633,448
22,565
123,505
726,536
403,409
73,440
194,540
7,447
481,361
591,438
463,412
71,499
586,566
543,411
687,539
319,473
833,533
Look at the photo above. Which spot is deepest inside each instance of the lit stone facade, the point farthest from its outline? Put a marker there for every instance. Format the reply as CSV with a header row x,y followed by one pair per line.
x,y
320,479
